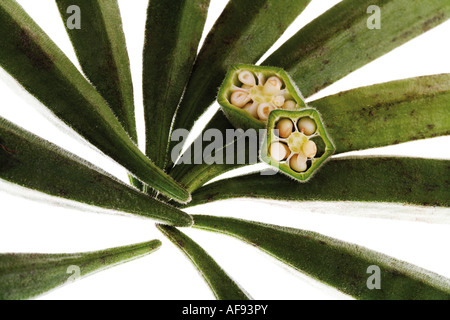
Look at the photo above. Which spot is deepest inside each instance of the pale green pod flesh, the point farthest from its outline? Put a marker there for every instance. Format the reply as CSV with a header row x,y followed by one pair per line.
x,y
101,50
363,118
344,266
173,33
31,57
376,179
242,34
28,275
222,286
34,163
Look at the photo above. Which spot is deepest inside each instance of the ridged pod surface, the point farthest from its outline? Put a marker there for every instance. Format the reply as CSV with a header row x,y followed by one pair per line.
x,y
173,33
336,263
34,163
27,275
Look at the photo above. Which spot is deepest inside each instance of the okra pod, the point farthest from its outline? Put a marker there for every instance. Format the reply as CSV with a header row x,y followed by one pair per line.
x,y
34,163
344,266
222,286
28,275
173,33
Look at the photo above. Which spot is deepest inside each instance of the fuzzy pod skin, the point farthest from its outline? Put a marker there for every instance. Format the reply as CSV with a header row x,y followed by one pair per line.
x,y
237,116
222,286
31,57
101,50
341,265
174,28
28,275
375,179
34,163
362,118
243,33
340,41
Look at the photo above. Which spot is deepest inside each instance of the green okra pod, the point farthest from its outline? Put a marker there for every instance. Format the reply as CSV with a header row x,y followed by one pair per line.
x,y
341,40
34,163
173,33
222,286
101,50
345,266
242,34
31,57
375,179
24,276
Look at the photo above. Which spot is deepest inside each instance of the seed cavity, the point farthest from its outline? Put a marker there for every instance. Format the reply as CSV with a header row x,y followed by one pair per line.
x,y
259,95
293,142
285,128
240,98
279,151
307,126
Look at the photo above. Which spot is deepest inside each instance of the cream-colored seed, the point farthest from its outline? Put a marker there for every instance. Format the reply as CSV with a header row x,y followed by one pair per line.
x,y
309,149
279,101
273,86
307,126
247,78
285,128
298,163
289,105
240,98
279,151
252,109
264,109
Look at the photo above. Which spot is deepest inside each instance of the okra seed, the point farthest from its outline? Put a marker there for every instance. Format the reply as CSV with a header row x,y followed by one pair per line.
x,y
273,86
247,78
289,105
252,109
285,128
240,98
298,163
307,126
279,101
309,149
279,151
264,111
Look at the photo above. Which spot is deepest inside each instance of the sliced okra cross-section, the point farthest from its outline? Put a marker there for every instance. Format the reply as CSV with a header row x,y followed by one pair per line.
x,y
297,143
250,93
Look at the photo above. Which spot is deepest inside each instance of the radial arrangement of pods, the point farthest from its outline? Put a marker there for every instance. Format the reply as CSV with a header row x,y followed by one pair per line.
x,y
180,82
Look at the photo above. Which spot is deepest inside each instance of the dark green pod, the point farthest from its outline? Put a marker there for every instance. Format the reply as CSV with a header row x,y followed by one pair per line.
x,y
375,179
34,163
31,57
340,41
173,33
101,50
238,116
243,33
345,266
24,276
222,286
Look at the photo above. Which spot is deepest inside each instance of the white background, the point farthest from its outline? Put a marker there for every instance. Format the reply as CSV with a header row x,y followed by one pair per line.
x,y
414,234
